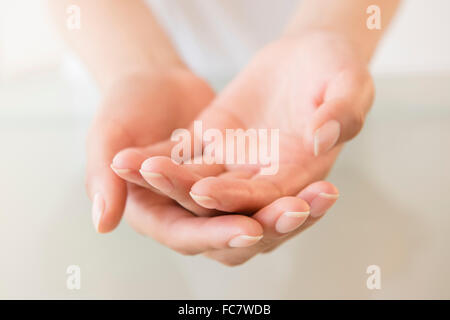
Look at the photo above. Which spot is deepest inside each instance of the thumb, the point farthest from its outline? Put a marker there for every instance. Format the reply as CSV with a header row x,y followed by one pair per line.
x,y
107,191
342,114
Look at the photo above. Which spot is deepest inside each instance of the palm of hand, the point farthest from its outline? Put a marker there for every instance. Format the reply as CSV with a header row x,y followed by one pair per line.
x,y
288,95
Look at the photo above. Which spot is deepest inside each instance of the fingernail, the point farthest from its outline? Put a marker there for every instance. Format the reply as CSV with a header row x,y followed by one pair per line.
x,y
120,171
204,201
157,180
319,207
244,241
328,195
98,207
326,137
290,221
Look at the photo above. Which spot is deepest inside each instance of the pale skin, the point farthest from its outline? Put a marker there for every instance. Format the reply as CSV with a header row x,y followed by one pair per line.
x,y
312,83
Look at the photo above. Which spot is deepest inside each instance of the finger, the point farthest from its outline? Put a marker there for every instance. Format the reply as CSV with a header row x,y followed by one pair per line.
x,y
106,190
176,228
237,174
320,196
175,181
341,116
233,194
289,213
127,163
282,216
279,226
248,195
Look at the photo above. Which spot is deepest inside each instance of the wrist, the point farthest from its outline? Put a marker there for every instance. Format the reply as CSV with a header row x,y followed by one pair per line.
x,y
132,86
128,77
136,62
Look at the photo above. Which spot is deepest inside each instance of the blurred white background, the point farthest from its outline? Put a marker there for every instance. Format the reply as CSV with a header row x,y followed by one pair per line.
x,y
394,181
28,42
413,44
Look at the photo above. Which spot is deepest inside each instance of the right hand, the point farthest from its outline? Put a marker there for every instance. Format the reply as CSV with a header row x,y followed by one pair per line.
x,y
138,110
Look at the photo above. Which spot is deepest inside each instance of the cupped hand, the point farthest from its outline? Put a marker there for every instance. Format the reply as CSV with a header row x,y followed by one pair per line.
x,y
315,89
139,112
136,111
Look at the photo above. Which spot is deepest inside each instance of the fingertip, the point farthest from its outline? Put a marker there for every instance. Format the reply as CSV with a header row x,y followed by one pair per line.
x,y
244,241
204,201
314,189
108,200
290,221
155,164
219,193
326,137
123,173
331,196
237,195
283,215
200,234
98,209
204,185
321,196
309,139
293,203
239,231
130,159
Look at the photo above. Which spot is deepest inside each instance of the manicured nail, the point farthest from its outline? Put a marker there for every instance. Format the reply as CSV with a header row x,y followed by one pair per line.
x,y
120,171
326,137
157,180
244,241
319,207
98,207
204,201
290,221
328,195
